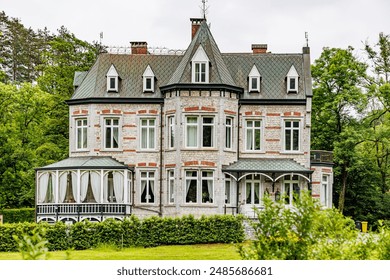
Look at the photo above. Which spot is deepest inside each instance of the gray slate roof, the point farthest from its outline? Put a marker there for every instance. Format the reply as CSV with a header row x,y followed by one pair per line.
x,y
229,69
92,162
266,166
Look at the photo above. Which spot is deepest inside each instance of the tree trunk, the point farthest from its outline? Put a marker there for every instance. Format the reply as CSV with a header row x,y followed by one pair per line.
x,y
343,189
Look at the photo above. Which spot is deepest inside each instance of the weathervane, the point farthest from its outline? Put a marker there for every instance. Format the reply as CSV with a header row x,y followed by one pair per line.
x,y
307,39
204,8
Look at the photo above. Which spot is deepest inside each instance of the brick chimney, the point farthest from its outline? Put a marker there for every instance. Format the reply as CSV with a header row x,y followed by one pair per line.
x,y
259,48
139,47
195,24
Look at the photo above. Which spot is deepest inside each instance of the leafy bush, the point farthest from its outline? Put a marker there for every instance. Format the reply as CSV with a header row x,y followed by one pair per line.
x,y
307,232
18,215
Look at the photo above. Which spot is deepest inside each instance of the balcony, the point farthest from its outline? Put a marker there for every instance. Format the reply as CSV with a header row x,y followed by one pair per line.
x,y
318,156
77,212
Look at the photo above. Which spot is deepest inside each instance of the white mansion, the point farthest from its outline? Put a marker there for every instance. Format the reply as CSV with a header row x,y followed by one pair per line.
x,y
199,133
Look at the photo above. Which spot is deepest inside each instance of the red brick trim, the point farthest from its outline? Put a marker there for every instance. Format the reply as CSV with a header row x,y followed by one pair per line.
x,y
170,165
273,127
228,112
191,163
207,163
273,114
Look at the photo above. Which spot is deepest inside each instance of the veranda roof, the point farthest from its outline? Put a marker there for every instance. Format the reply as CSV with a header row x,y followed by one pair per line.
x,y
267,166
91,162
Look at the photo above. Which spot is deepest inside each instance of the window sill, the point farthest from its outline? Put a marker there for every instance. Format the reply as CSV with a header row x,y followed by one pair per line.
x,y
200,149
80,151
203,205
147,151
292,153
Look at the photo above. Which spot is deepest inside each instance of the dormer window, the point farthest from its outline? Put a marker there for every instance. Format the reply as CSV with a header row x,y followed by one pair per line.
x,y
148,80
254,80
112,80
292,80
200,66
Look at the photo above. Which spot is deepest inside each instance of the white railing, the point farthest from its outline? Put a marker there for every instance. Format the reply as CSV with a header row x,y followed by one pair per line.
x,y
81,209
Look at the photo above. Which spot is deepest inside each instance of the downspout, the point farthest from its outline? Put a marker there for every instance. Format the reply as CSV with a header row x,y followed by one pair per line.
x,y
238,154
161,157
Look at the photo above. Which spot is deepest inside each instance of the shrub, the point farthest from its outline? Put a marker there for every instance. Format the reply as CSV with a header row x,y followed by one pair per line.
x,y
18,215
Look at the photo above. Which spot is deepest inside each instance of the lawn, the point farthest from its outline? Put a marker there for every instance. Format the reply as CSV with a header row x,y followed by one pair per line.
x,y
176,252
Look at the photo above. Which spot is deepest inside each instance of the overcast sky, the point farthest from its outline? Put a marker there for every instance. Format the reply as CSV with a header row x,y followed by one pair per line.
x,y
235,25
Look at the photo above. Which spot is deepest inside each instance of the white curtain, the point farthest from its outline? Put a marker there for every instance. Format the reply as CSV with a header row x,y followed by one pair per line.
x,y
84,186
105,188
188,183
144,138
192,136
115,137
143,186
249,139
151,138
118,186
51,191
74,186
248,193
42,187
257,192
151,182
63,183
210,189
95,183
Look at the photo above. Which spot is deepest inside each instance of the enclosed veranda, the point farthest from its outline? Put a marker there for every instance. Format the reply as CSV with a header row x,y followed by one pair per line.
x,y
76,189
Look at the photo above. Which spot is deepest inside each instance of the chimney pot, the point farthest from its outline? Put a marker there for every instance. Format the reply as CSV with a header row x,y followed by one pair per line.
x,y
259,48
139,47
195,24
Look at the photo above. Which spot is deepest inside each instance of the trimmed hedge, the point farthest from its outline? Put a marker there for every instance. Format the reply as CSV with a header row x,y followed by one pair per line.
x,y
20,215
152,231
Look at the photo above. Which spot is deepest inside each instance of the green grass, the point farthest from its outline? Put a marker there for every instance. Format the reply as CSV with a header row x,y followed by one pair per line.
x,y
176,252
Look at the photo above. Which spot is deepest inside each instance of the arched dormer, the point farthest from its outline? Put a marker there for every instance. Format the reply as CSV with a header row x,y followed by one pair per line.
x,y
200,64
112,79
254,79
292,80
148,78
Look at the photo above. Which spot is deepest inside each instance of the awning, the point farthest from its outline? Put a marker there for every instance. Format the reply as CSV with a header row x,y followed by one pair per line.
x,y
92,162
271,168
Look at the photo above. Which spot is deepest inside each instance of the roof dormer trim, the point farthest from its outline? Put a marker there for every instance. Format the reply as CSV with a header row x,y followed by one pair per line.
x,y
112,79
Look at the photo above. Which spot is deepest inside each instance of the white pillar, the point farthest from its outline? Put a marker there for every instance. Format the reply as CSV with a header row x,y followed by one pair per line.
x,y
78,198
125,187
101,185
57,186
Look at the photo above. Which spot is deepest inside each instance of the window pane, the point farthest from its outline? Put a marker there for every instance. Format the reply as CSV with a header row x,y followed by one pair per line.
x,y
296,140
151,138
292,83
112,83
191,192
84,143
144,138
108,137
148,83
288,140
257,139
254,83
207,136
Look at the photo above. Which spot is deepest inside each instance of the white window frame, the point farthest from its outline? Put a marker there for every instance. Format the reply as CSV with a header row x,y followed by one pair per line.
x,y
229,133
292,75
324,189
151,133
252,180
254,75
254,129
200,59
171,125
112,138
290,180
112,75
171,186
148,178
228,193
148,75
83,128
292,129
199,179
199,125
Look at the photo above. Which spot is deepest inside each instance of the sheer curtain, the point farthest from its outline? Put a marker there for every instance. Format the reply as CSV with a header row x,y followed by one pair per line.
x,y
143,186
95,183
84,185
118,186
249,139
257,193
74,186
43,184
63,183
188,183
210,189
144,138
151,184
105,188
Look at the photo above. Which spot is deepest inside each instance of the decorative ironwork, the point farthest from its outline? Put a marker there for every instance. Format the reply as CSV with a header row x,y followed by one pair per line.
x,y
151,50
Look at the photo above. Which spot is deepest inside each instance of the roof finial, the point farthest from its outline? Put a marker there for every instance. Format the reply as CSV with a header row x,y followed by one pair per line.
x,y
204,8
307,39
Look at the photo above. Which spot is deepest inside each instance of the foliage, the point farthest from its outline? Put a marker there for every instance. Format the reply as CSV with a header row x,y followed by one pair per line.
x,y
131,232
306,232
33,247
18,215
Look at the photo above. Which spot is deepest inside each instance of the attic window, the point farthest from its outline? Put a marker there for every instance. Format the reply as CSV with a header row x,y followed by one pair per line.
x,y
292,80
112,80
254,80
200,66
148,80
